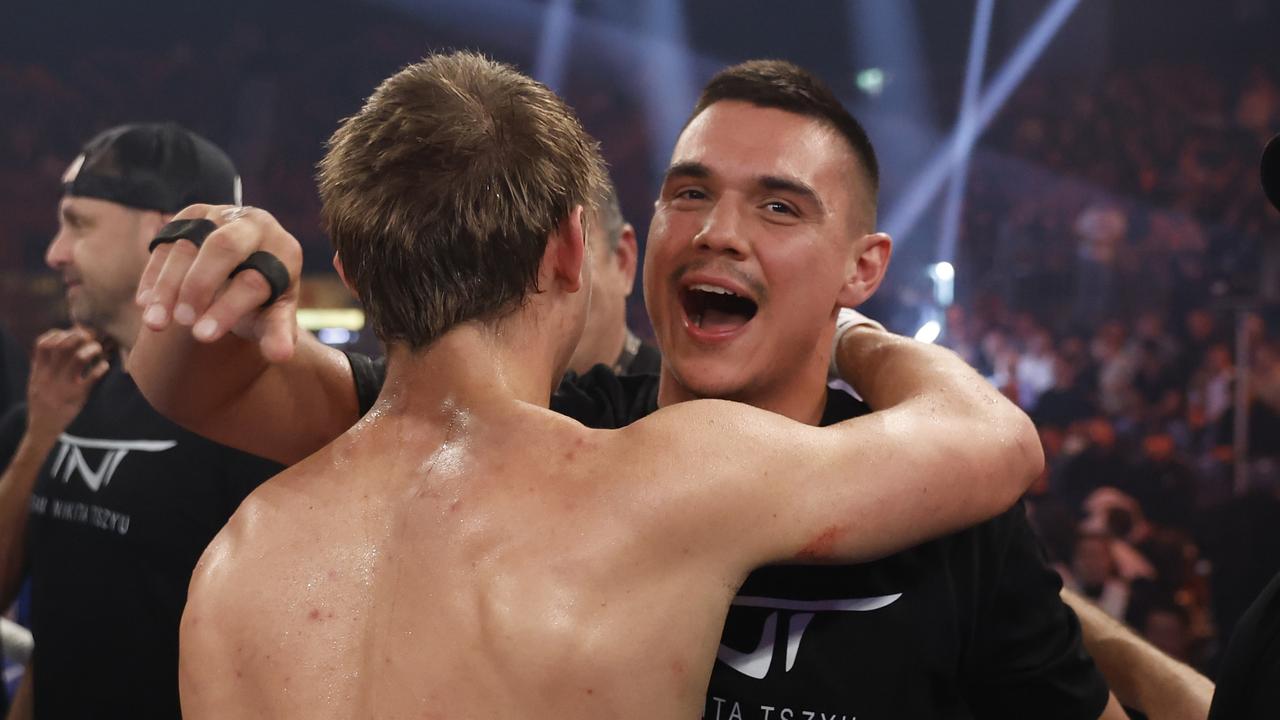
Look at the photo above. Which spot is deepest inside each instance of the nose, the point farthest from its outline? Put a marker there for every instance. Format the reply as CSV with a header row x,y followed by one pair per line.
x,y
58,254
721,230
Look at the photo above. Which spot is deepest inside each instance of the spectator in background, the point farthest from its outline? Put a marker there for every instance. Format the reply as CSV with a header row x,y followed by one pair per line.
x,y
1098,464
1168,627
607,340
1094,577
1162,483
1066,402
104,504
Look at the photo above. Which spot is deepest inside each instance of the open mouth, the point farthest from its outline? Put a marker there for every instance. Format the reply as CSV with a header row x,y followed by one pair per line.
x,y
715,309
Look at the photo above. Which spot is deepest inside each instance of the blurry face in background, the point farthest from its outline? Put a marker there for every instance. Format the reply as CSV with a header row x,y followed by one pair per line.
x,y
1158,447
1101,433
613,272
1092,562
753,236
1167,631
100,251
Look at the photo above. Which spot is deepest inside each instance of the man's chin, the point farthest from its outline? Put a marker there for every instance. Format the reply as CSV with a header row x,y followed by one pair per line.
x,y
719,379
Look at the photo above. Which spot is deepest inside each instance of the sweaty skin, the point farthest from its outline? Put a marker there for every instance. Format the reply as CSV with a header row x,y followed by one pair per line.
x,y
425,565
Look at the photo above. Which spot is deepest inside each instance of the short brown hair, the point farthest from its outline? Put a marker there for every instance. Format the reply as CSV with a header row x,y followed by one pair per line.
x,y
440,193
786,86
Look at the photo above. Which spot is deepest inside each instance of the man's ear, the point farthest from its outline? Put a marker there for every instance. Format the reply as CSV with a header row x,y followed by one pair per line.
x,y
867,264
566,254
627,257
342,274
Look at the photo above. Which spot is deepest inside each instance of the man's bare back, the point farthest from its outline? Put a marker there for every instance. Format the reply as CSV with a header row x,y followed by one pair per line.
x,y
461,552
404,572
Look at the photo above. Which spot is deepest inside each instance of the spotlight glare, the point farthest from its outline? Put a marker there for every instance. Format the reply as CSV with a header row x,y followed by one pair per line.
x,y
871,81
929,332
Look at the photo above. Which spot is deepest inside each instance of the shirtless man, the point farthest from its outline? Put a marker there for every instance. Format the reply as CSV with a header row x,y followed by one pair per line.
x,y
464,551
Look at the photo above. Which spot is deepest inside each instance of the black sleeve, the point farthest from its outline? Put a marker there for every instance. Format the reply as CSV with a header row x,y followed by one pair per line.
x,y
603,399
13,424
369,375
1249,676
245,473
1029,658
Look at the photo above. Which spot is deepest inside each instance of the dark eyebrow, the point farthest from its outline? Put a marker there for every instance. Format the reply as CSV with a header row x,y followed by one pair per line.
x,y
795,187
71,216
687,169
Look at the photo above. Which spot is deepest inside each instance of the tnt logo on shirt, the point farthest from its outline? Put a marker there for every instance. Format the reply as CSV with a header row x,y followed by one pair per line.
x,y
758,662
72,458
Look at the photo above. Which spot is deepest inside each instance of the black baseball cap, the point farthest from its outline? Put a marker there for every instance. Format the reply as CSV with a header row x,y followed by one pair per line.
x,y
1271,171
153,166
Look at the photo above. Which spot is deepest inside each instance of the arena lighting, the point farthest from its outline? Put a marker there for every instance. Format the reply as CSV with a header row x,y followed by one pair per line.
x,y
871,81
929,331
334,336
885,42
943,275
553,44
964,123
669,91
351,319
903,216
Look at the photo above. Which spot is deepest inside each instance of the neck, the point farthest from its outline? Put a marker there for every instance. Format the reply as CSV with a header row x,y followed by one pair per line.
x,y
123,331
471,367
802,397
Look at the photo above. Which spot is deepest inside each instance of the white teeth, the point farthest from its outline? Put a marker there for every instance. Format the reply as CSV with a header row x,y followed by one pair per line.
x,y
712,289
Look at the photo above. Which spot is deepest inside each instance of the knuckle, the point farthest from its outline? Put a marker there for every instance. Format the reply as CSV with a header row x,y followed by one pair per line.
x,y
192,212
254,284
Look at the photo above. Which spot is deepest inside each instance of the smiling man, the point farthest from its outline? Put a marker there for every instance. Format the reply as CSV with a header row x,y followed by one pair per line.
x,y
771,186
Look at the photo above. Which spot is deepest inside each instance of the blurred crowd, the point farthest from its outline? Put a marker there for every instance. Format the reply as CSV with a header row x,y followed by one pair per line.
x,y
1115,236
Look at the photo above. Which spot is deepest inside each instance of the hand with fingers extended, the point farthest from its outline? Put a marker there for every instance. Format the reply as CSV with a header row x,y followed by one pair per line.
x,y
220,268
64,368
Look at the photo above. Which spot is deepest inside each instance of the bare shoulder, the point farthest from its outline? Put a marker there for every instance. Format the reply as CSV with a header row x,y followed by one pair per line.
x,y
220,576
682,419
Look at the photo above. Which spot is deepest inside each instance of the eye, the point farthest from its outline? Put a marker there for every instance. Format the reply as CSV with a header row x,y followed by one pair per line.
x,y
780,208
690,194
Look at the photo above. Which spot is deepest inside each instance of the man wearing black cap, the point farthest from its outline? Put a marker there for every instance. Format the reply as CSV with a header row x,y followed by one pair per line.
x,y
104,504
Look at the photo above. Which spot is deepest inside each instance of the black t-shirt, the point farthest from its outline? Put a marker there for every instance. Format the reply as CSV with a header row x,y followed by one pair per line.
x,y
1249,678
122,509
969,625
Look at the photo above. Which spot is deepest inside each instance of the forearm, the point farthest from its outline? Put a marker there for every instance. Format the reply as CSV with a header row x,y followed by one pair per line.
x,y
228,392
953,405
1141,676
16,485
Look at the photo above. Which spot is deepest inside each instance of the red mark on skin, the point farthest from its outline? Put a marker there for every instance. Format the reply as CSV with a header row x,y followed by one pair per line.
x,y
590,691
678,667
239,674
577,443
821,546
453,506
314,614
333,574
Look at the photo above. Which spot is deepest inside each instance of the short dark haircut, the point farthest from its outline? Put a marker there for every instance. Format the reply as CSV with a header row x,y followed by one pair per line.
x,y
786,86
440,193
